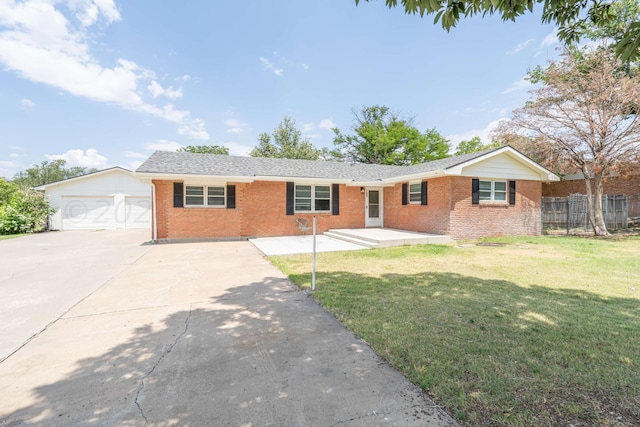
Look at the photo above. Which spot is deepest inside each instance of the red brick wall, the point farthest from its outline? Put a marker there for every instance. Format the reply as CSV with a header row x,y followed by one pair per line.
x,y
469,221
615,186
451,212
182,223
432,218
260,212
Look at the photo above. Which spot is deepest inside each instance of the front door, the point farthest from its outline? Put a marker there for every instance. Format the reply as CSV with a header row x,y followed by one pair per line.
x,y
373,207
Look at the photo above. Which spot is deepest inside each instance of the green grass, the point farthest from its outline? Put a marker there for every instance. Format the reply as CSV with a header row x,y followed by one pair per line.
x,y
10,236
541,331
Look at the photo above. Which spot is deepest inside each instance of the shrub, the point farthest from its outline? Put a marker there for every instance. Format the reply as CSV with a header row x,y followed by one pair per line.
x,y
26,212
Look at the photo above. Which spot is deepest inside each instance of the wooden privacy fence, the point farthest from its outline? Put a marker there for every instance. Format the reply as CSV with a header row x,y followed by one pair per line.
x,y
571,213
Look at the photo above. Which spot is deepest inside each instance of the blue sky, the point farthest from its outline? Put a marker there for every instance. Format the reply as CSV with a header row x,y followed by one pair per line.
x,y
102,83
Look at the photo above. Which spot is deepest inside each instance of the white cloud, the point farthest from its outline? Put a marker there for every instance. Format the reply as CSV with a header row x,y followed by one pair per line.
x,y
186,77
41,43
88,159
135,155
14,147
27,104
8,168
133,165
550,39
156,90
308,127
14,155
326,124
484,134
305,66
235,126
520,47
237,149
269,66
194,128
517,86
162,145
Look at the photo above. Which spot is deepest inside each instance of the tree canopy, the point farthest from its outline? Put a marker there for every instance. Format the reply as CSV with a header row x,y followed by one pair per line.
x,y
584,113
47,172
204,149
381,136
473,145
571,16
287,143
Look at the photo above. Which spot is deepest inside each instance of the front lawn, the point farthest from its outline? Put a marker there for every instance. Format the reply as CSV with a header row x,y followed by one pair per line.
x,y
537,331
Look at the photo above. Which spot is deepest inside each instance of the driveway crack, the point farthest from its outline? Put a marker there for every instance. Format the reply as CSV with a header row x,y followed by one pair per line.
x,y
153,368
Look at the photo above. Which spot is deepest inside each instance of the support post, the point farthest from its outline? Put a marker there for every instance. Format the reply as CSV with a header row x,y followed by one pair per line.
x,y
313,262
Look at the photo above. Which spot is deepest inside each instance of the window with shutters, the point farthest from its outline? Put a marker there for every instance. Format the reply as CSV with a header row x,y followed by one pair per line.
x,y
493,191
313,198
415,192
204,196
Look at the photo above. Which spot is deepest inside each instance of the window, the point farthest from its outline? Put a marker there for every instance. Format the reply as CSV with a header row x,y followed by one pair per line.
x,y
415,192
195,195
493,191
313,198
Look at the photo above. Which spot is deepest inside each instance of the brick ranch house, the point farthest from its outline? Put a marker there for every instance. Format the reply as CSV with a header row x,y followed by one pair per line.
x,y
489,193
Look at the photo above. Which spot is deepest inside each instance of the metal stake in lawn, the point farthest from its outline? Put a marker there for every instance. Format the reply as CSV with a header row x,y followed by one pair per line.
x,y
313,262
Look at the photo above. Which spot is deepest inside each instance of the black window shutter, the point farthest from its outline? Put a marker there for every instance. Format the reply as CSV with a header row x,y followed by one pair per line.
x,y
423,193
405,189
512,192
177,194
475,191
231,196
290,197
335,199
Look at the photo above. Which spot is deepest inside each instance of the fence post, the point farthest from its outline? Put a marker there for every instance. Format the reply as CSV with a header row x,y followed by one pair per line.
x,y
568,216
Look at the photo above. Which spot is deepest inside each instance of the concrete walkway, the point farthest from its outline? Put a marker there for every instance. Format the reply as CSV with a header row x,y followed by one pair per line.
x,y
204,334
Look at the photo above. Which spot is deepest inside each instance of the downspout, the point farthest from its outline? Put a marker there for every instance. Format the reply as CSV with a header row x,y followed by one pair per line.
x,y
155,212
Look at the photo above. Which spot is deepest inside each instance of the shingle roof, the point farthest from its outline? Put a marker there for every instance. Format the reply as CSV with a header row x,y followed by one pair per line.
x,y
179,163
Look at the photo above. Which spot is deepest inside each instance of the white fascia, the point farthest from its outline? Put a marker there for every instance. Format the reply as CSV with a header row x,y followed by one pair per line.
x,y
416,176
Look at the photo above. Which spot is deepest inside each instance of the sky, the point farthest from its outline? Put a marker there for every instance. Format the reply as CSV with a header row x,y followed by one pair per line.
x,y
104,83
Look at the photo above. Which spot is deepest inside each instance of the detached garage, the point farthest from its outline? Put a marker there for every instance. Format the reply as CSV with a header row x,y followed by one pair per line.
x,y
109,199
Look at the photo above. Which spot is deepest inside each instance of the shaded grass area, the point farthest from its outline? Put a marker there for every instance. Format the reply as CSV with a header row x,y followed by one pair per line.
x,y
541,331
10,236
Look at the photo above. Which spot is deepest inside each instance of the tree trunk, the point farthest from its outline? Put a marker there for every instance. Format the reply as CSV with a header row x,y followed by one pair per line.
x,y
594,203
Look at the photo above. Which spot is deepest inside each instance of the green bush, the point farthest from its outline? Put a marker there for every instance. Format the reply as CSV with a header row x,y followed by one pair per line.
x,y
26,212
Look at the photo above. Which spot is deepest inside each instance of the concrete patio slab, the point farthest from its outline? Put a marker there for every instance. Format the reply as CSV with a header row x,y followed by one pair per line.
x,y
288,245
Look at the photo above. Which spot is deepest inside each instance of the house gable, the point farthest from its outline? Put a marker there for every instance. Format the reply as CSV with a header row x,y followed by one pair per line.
x,y
502,166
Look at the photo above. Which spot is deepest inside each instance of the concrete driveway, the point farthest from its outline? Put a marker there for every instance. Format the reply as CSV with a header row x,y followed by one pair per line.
x,y
202,334
44,275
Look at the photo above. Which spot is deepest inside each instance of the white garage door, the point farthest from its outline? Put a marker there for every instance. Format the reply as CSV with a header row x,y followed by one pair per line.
x,y
137,212
88,213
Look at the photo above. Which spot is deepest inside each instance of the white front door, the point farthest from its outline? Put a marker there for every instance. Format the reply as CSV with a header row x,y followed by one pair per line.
x,y
373,207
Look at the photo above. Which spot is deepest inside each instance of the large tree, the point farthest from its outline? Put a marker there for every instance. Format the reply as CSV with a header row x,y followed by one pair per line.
x,y
287,143
473,145
47,172
584,112
204,149
381,136
571,16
